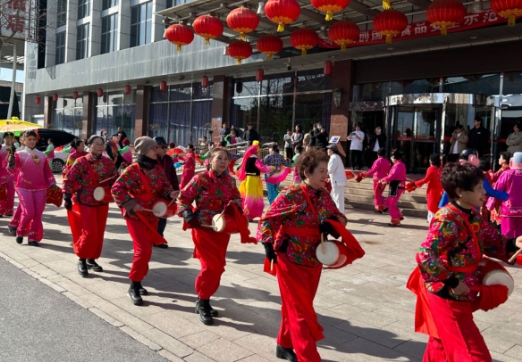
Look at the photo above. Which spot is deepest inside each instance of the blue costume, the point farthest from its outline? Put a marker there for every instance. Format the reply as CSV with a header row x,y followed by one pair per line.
x,y
490,191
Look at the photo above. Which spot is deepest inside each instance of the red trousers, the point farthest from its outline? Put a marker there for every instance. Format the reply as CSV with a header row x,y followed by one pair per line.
x,y
6,207
142,243
299,326
211,250
460,339
88,228
378,201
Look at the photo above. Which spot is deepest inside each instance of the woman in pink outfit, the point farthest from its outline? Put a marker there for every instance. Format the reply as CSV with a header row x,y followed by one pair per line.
x,y
7,205
379,170
33,178
396,178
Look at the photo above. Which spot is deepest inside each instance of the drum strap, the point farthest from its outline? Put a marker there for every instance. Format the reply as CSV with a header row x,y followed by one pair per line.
x,y
94,176
146,184
474,237
309,202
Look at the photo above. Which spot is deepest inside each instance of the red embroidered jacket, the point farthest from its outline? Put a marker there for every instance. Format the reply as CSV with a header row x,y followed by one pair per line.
x,y
85,175
212,192
290,209
143,186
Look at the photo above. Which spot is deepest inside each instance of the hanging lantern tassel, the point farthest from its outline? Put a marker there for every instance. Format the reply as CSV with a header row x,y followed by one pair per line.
x,y
511,20
386,4
206,41
343,47
329,16
443,30
242,36
389,38
303,52
280,27
178,48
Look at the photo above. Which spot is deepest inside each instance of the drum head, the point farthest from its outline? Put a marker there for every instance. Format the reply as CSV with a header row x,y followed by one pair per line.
x,y
99,193
499,277
330,255
159,209
218,223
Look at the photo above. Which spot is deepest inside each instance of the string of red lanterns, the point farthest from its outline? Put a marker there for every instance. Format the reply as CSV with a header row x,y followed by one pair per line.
x,y
269,45
180,35
445,14
282,12
343,33
390,23
509,9
239,50
304,39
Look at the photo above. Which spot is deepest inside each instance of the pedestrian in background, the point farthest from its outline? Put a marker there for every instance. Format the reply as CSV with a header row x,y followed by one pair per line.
x,y
274,160
514,140
458,143
337,176
297,136
356,147
321,138
479,137
289,149
6,178
251,134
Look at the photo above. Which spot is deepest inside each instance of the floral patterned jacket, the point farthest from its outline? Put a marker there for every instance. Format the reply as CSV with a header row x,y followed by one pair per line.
x,y
139,185
212,192
450,244
85,175
290,210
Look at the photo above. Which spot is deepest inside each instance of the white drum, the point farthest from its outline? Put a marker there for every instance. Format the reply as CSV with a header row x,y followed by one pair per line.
x,y
163,209
493,272
328,254
102,194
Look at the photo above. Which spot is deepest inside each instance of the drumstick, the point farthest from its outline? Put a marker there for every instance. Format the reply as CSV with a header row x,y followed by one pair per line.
x,y
322,243
512,259
149,210
272,265
107,179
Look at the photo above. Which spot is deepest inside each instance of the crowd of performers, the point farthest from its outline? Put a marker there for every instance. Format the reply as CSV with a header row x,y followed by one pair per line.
x,y
448,278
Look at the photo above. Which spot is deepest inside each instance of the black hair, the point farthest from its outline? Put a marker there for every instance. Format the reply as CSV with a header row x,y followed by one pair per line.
x,y
381,152
91,140
190,146
76,142
299,149
30,134
519,126
478,119
435,160
506,155
465,177
485,164
223,144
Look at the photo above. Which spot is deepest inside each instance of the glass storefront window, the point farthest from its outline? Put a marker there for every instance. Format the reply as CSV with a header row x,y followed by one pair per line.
x,y
68,115
313,81
113,110
313,108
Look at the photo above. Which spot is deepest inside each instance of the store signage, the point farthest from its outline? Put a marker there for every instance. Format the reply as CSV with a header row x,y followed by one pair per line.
x,y
423,29
16,20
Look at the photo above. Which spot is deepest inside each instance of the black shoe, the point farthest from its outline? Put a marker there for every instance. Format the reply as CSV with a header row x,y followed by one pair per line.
x,y
8,215
11,229
286,353
142,290
82,268
19,239
93,265
162,246
402,218
33,243
385,210
213,312
203,309
134,294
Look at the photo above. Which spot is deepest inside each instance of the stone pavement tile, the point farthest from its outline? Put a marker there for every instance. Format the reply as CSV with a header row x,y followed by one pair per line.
x,y
106,317
61,266
170,356
414,349
107,290
198,357
78,300
353,313
501,338
168,342
383,337
515,352
263,346
27,262
124,317
253,358
142,312
199,339
13,251
371,351
398,311
224,351
139,337
175,326
42,270
405,330
73,287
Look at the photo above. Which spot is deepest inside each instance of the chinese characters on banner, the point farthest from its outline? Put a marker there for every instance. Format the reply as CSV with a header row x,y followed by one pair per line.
x,y
15,18
423,29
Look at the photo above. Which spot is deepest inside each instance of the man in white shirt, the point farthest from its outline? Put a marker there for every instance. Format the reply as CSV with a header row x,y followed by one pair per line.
x,y
458,143
356,147
337,176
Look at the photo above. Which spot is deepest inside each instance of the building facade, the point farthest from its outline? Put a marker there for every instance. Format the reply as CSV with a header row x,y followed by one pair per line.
x,y
106,64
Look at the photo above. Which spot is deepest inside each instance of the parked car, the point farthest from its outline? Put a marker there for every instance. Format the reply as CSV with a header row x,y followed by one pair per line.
x,y
60,138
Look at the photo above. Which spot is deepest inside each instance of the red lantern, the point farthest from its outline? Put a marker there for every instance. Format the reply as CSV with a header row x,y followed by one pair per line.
x,y
55,97
328,68
330,6
208,27
269,45
75,95
510,9
204,81
344,32
304,39
127,89
445,13
390,23
242,20
163,86
282,12
239,50
37,100
179,35
99,92
260,75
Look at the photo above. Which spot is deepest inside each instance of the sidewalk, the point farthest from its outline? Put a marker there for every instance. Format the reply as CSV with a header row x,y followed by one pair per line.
x,y
365,308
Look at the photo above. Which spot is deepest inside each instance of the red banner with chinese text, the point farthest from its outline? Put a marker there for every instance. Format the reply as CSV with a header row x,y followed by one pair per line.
x,y
423,29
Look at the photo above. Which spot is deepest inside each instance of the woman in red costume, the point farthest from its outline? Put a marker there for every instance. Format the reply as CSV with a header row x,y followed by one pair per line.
x,y
503,162
434,189
212,191
396,178
6,178
189,166
87,216
77,151
447,279
290,230
136,190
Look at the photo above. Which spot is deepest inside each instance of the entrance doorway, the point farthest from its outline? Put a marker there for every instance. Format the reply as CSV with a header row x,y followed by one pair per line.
x,y
420,125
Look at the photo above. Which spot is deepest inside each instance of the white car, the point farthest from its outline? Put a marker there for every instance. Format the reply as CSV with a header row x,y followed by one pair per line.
x,y
60,159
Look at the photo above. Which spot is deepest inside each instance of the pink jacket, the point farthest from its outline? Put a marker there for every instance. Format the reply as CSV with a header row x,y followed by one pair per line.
x,y
511,182
4,174
397,173
32,170
380,168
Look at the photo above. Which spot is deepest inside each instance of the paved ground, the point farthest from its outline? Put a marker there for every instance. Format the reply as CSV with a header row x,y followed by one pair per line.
x,y
39,324
365,308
